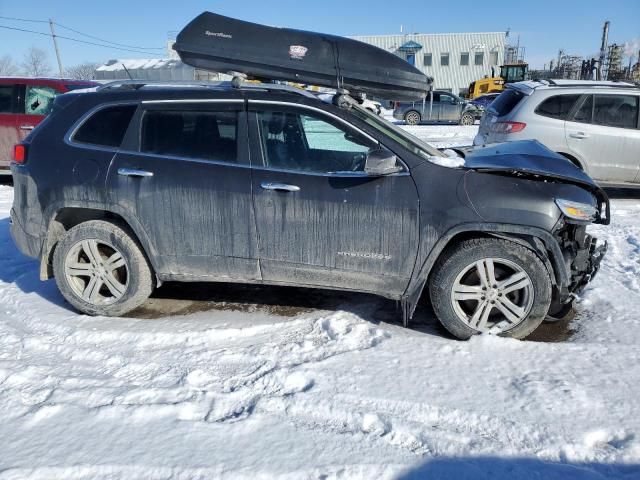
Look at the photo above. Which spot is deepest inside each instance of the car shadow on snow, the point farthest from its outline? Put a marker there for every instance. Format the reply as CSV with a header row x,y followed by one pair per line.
x,y
23,271
181,299
504,468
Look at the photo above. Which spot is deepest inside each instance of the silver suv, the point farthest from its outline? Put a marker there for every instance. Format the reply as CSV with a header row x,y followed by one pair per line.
x,y
596,125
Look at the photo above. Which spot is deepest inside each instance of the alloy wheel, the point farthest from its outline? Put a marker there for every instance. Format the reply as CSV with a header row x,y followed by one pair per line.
x,y
492,294
96,271
412,118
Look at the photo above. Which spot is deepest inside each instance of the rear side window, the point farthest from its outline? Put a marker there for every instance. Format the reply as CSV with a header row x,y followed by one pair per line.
x,y
584,113
6,98
106,127
557,106
39,100
206,135
506,101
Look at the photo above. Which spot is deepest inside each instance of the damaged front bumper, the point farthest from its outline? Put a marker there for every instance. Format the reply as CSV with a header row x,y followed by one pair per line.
x,y
583,255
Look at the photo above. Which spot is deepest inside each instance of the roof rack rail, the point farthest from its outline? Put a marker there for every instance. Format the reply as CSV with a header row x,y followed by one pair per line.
x,y
138,84
588,83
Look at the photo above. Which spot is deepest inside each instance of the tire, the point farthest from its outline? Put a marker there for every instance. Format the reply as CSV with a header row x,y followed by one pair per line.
x,y
467,119
89,253
458,267
412,117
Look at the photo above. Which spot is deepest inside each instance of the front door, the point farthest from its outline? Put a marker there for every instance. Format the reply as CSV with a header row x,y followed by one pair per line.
x,y
321,220
189,187
8,127
450,108
603,132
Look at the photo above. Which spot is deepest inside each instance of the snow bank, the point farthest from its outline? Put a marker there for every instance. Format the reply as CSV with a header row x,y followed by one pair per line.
x,y
326,394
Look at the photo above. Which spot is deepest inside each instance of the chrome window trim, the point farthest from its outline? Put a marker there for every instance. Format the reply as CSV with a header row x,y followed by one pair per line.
x,y
187,159
362,174
195,100
68,138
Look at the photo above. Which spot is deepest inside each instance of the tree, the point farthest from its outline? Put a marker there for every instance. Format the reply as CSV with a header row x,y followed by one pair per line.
x,y
35,63
7,66
82,71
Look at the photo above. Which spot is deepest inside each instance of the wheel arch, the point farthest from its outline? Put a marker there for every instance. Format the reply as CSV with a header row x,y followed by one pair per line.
x,y
539,241
575,160
413,110
61,218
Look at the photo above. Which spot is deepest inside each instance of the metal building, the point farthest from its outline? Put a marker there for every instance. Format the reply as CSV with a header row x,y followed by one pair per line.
x,y
454,60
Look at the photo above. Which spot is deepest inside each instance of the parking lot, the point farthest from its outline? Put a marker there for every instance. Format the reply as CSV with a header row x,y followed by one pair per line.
x,y
316,384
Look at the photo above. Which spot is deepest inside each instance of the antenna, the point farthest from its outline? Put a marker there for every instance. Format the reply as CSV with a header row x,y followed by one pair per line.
x,y
126,70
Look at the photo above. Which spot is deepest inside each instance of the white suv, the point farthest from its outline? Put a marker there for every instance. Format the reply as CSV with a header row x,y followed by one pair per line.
x,y
596,125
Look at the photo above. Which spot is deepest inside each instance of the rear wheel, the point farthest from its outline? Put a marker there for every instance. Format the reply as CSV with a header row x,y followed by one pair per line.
x,y
467,119
412,117
100,269
490,285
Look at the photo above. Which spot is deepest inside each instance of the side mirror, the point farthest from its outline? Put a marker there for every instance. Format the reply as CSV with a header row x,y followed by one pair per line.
x,y
381,162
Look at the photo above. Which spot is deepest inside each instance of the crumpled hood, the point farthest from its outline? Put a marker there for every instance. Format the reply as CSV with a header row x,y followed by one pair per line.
x,y
532,159
529,157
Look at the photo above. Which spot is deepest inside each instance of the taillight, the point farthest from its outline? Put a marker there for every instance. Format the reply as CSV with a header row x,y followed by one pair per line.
x,y
20,153
508,127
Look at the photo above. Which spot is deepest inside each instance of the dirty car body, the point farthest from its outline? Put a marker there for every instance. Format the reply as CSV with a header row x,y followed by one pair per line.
x,y
239,218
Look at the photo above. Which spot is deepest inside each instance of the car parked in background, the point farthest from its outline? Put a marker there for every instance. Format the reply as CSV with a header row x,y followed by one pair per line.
x,y
24,103
596,125
439,107
483,101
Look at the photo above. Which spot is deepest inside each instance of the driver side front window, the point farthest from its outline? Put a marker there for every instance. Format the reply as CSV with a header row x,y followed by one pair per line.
x,y
308,143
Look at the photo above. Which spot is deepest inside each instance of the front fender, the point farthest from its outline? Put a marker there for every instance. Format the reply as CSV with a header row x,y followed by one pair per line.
x,y
537,239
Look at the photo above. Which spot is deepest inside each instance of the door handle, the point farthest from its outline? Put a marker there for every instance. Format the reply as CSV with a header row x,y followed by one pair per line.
x,y
579,135
27,127
132,172
280,187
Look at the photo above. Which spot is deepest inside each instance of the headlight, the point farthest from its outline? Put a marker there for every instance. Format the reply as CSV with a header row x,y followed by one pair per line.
x,y
577,211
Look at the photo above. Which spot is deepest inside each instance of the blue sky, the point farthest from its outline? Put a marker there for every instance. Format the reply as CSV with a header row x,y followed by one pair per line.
x,y
544,26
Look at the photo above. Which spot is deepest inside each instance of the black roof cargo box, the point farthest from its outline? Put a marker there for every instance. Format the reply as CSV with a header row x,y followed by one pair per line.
x,y
222,44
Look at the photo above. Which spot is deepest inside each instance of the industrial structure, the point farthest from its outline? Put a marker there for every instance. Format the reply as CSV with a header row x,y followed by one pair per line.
x,y
609,64
454,60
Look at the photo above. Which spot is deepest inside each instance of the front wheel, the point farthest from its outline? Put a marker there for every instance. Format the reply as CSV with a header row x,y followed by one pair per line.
x,y
100,269
490,285
412,117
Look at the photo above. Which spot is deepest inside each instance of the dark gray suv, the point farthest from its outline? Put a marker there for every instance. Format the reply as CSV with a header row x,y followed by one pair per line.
x,y
131,185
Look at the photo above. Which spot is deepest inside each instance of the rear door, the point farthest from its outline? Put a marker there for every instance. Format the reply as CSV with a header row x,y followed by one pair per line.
x,y
321,220
603,132
184,175
8,127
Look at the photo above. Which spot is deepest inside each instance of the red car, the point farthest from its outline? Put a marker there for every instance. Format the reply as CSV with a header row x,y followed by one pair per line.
x,y
24,103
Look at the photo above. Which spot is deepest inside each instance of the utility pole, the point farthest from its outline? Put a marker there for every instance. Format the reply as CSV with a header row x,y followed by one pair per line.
x,y
55,46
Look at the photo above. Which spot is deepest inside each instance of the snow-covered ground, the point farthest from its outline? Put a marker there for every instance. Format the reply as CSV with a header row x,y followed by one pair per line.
x,y
328,386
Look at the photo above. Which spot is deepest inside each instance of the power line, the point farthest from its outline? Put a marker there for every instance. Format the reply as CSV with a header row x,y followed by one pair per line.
x,y
6,27
107,41
135,47
23,20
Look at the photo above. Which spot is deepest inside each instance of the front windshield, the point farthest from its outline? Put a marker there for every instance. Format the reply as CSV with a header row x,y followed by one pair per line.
x,y
408,141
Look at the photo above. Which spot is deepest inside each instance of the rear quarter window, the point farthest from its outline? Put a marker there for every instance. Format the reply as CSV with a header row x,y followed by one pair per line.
x,y
506,101
106,127
557,106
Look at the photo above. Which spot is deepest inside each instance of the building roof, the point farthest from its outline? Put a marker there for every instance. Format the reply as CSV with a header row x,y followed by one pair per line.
x,y
410,46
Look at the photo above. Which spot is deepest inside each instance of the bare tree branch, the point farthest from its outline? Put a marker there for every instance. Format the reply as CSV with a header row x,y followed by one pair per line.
x,y
35,63
83,71
7,66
